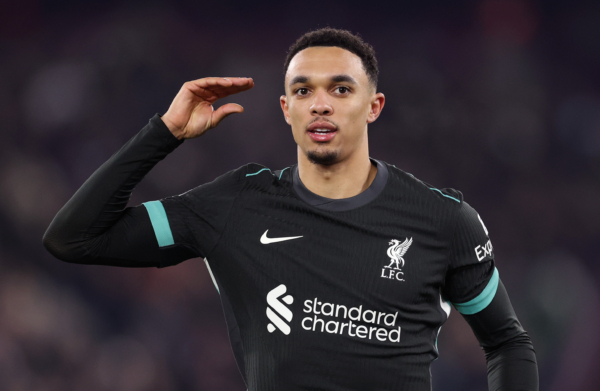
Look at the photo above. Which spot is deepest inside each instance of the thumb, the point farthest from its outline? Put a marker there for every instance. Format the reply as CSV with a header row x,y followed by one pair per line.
x,y
224,111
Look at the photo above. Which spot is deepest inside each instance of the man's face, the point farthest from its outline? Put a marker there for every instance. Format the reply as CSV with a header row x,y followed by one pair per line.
x,y
329,102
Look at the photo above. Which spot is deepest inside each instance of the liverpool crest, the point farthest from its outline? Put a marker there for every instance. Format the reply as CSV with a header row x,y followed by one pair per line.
x,y
396,252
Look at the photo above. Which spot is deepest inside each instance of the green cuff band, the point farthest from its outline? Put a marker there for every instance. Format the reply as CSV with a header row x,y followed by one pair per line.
x,y
482,300
160,223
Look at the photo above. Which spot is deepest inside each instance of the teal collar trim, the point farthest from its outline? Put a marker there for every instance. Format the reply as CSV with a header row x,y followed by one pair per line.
x,y
482,300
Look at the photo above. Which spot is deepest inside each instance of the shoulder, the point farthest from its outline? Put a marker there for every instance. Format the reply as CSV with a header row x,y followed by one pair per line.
x,y
223,185
255,170
457,218
423,190
218,195
246,172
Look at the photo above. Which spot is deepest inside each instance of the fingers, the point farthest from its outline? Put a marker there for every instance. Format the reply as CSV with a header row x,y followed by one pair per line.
x,y
216,82
209,82
237,85
223,111
220,87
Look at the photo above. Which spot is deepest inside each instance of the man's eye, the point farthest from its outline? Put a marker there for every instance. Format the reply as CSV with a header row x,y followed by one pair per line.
x,y
302,91
343,90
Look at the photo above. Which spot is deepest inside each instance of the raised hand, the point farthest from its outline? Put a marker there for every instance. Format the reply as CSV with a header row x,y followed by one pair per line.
x,y
191,113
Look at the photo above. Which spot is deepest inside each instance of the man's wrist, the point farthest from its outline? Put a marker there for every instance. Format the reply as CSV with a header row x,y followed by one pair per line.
x,y
163,134
177,133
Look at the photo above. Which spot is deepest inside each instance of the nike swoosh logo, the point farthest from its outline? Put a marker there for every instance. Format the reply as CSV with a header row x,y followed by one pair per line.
x,y
265,240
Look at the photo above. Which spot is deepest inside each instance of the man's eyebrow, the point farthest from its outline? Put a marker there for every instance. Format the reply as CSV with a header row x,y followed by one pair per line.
x,y
343,78
336,79
298,79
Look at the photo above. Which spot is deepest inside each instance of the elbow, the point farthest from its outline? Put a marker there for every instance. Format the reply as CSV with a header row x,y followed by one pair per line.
x,y
519,341
62,249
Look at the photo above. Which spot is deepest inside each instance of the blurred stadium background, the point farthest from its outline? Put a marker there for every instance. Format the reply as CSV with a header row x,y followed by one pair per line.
x,y
497,98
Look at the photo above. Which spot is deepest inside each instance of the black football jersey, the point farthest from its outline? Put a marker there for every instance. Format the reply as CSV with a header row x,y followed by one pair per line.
x,y
326,294
319,294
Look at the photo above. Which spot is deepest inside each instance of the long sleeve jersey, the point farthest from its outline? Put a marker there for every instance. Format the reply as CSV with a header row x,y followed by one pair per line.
x,y
318,293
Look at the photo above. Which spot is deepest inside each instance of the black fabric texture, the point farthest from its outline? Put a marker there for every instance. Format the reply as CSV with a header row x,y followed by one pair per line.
x,y
511,359
233,329
96,227
198,217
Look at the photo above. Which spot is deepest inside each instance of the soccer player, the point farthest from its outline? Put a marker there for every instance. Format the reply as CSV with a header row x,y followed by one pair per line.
x,y
336,273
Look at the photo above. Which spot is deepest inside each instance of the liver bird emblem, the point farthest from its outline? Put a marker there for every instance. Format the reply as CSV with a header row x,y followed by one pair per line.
x,y
396,251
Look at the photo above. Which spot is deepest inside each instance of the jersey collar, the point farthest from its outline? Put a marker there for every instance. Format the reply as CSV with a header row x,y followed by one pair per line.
x,y
343,204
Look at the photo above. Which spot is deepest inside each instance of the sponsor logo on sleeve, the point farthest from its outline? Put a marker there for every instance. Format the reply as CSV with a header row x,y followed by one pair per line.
x,y
483,225
487,250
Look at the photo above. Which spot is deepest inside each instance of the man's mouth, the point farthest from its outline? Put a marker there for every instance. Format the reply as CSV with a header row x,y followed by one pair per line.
x,y
322,131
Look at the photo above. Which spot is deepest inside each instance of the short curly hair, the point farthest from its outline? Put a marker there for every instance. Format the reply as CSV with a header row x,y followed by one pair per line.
x,y
340,38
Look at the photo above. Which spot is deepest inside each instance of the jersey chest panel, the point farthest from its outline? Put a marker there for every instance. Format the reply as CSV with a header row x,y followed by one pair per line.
x,y
383,257
321,296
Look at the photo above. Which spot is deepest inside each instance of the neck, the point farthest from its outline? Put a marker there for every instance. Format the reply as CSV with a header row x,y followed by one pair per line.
x,y
344,179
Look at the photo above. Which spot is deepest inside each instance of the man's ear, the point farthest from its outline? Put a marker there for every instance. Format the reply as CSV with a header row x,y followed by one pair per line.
x,y
377,103
284,108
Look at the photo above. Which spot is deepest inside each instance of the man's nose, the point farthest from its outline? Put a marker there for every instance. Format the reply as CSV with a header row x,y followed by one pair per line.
x,y
321,104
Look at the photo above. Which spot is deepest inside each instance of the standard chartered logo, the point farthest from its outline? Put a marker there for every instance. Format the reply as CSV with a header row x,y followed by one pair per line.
x,y
282,311
330,318
352,321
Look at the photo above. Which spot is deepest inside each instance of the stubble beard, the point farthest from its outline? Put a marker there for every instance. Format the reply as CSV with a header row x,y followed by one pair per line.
x,y
324,158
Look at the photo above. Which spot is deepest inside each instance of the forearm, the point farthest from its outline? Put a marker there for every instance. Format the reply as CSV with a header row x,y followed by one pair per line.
x,y
510,356
94,226
512,366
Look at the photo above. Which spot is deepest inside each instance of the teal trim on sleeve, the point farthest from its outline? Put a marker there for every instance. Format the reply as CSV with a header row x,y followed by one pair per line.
x,y
445,195
258,172
160,223
483,300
